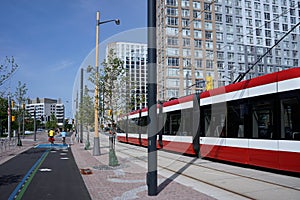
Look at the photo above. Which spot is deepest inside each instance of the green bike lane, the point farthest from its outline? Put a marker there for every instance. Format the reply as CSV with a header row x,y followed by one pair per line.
x,y
42,173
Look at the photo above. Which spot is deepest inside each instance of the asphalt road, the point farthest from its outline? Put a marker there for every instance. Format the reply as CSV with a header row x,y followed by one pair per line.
x,y
42,173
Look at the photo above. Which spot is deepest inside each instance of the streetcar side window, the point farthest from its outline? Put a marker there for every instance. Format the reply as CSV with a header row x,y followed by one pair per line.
x,y
290,115
215,120
174,123
262,120
235,119
207,120
186,123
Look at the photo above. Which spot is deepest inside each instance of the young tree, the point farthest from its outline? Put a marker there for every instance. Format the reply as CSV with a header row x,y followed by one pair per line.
x,y
20,93
113,84
3,115
86,114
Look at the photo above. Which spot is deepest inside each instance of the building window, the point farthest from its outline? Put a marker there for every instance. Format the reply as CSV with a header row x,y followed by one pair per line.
x,y
186,42
209,54
198,63
173,72
197,34
207,7
172,82
284,27
185,22
185,13
173,21
172,52
197,24
185,3
172,31
220,65
186,32
208,35
218,17
172,41
187,62
198,43
209,64
220,55
196,5
198,53
172,2
172,61
267,16
172,93
209,45
228,19
207,16
230,56
172,11
219,36
186,52
196,14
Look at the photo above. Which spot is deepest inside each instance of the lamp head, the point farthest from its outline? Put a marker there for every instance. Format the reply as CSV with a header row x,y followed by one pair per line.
x,y
117,21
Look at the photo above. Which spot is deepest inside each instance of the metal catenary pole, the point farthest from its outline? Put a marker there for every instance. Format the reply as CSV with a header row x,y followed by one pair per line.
x,y
152,89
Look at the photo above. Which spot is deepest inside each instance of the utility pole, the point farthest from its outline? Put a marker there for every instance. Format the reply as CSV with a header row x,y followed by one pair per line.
x,y
80,105
9,116
34,123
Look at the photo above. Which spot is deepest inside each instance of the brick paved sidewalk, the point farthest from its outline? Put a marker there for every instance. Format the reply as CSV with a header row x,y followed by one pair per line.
x,y
126,181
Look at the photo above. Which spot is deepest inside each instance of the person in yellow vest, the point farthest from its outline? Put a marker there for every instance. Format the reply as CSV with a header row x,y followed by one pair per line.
x,y
51,136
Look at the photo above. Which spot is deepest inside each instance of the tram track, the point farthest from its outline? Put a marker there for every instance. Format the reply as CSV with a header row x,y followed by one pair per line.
x,y
184,171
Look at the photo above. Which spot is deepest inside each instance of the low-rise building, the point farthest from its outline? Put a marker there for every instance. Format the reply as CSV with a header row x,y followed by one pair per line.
x,y
42,109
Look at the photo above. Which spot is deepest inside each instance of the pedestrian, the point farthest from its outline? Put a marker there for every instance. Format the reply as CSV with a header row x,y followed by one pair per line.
x,y
51,136
63,135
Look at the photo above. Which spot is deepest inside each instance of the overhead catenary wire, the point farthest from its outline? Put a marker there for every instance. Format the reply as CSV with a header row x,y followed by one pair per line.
x,y
241,76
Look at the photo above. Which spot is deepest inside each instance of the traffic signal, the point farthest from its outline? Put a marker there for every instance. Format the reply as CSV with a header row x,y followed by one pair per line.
x,y
13,118
12,103
110,112
73,121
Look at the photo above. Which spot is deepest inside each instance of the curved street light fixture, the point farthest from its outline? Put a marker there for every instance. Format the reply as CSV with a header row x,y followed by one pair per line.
x,y
96,148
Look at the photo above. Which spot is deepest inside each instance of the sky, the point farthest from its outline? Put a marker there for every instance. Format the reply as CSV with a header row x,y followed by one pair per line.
x,y
51,40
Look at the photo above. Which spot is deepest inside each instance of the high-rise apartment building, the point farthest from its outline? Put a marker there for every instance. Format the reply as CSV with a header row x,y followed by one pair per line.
x,y
134,57
213,41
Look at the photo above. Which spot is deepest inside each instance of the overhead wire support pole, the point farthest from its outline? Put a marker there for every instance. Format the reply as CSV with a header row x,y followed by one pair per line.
x,y
152,102
241,76
9,116
96,150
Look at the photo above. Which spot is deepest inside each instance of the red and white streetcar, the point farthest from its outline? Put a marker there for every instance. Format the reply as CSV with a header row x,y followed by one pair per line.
x,y
254,122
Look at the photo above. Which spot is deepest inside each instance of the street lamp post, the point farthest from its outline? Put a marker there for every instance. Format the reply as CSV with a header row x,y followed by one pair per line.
x,y
96,150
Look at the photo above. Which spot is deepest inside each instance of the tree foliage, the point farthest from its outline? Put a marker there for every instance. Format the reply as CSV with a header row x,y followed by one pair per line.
x,y
3,115
86,110
52,124
19,95
113,84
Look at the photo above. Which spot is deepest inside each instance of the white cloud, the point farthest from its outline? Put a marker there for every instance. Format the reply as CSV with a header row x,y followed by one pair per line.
x,y
64,64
